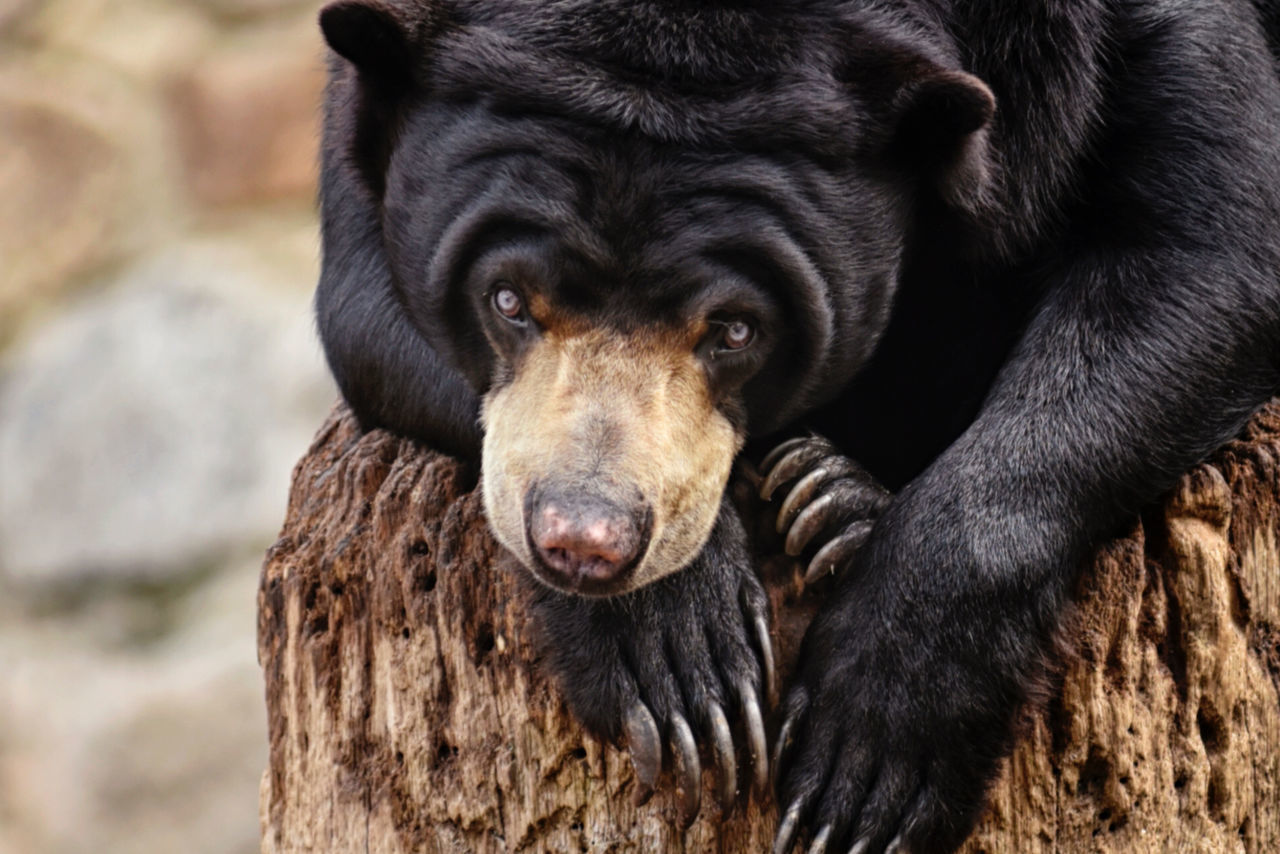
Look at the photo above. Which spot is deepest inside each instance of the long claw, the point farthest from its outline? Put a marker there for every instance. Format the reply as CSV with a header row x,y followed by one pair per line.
x,y
689,772
771,458
780,748
791,465
894,846
860,847
799,496
837,552
808,524
766,655
756,742
645,745
819,844
726,760
787,830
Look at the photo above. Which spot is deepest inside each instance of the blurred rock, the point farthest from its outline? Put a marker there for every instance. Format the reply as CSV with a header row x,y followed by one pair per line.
x,y
51,218
81,179
153,427
247,121
239,10
10,10
142,38
158,378
119,751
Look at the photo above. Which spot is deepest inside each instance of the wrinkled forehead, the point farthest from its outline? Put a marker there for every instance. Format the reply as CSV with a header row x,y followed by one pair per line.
x,y
747,74
597,215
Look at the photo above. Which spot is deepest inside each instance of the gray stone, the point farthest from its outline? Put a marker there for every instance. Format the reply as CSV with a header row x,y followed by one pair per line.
x,y
152,428
129,750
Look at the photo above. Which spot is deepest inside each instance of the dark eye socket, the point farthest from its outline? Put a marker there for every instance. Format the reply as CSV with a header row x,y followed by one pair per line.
x,y
507,302
736,335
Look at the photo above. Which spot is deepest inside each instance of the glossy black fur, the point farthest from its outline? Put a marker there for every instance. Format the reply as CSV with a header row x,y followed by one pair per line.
x,y
1088,303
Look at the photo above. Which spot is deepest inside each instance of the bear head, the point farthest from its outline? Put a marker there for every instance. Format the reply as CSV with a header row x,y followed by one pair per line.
x,y
641,229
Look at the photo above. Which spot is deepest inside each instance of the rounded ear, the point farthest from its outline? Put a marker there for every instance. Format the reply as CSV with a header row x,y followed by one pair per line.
x,y
943,117
370,35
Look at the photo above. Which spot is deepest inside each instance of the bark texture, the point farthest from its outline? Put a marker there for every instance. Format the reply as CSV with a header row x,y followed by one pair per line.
x,y
407,712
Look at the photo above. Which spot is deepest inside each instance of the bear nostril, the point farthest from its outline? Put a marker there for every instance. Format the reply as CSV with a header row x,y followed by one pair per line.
x,y
573,549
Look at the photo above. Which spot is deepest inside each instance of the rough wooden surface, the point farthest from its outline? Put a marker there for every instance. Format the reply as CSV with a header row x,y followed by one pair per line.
x,y
407,713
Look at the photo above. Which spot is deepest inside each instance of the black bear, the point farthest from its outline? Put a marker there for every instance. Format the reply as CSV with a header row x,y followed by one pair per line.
x,y
1020,258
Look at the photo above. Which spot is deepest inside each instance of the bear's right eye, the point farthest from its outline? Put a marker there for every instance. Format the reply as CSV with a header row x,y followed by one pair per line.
x,y
508,304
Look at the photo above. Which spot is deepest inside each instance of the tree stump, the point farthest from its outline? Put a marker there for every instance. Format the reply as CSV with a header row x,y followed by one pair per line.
x,y
407,712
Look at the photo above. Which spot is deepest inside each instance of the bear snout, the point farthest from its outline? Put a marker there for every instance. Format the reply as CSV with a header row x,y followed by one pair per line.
x,y
585,543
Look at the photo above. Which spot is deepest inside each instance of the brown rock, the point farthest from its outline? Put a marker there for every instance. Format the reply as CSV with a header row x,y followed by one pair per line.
x,y
52,185
239,10
246,121
10,11
406,712
81,180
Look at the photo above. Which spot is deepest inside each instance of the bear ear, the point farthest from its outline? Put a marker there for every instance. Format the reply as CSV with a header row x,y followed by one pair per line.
x,y
371,35
943,117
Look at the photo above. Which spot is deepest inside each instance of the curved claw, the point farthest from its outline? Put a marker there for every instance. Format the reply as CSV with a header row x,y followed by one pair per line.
x,y
780,747
799,496
645,745
792,464
726,759
689,770
771,458
819,844
808,524
860,847
756,744
766,655
838,552
787,829
894,846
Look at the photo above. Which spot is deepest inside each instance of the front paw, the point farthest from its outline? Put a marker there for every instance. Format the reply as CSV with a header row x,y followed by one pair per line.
x,y
670,666
893,731
831,506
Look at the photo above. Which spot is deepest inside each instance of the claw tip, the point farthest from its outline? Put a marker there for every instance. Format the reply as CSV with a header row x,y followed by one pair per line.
x,y
787,830
819,844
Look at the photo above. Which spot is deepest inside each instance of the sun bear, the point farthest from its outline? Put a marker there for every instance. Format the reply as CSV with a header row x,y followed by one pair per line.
x,y
1019,260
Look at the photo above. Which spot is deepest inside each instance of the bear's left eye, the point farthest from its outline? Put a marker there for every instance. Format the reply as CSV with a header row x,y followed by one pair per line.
x,y
736,335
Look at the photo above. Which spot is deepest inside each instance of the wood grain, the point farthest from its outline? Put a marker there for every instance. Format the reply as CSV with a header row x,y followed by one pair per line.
x,y
407,712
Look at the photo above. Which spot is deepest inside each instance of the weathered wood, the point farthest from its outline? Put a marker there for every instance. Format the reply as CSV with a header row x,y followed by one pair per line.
x,y
407,713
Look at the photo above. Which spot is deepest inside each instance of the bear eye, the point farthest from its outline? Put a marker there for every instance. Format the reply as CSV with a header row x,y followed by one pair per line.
x,y
508,303
737,335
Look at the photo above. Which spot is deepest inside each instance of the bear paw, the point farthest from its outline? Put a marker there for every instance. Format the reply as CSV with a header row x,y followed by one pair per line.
x,y
868,761
832,505
678,663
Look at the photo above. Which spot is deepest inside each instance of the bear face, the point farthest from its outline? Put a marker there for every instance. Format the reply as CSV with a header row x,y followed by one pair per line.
x,y
653,313
629,248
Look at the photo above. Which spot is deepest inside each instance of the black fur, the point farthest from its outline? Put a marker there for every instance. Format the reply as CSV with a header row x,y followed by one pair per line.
x,y
1028,324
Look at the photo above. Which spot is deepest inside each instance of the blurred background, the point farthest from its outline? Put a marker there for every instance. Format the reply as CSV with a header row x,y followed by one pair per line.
x,y
159,376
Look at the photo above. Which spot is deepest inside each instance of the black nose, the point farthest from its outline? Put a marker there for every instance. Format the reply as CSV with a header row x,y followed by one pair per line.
x,y
585,543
